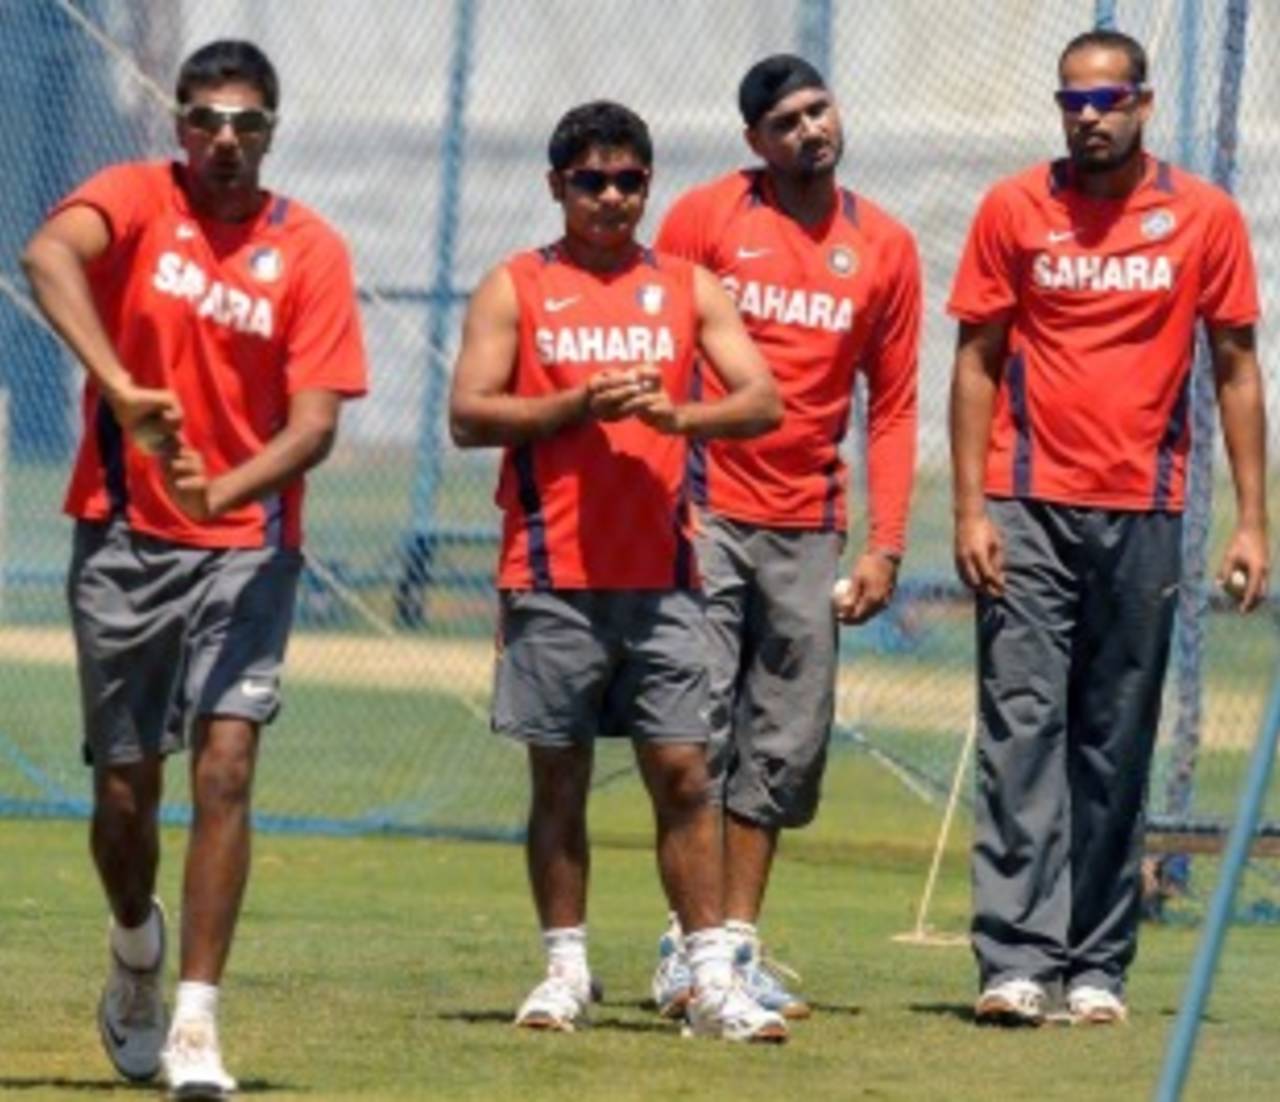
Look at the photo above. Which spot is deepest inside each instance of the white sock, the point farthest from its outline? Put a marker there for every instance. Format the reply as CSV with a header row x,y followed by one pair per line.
x,y
195,1002
710,957
567,953
674,929
740,934
138,946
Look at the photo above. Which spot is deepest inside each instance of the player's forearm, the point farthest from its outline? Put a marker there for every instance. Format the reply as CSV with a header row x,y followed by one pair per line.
x,y
891,463
1244,430
973,398
751,410
501,420
58,284
287,456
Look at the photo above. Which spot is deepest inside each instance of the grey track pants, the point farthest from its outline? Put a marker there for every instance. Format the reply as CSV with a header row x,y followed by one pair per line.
x,y
1071,661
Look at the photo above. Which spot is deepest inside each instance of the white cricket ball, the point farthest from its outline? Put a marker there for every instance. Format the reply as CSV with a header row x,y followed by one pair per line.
x,y
1236,583
840,591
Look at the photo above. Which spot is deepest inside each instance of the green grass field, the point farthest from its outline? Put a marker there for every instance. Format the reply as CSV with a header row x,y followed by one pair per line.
x,y
380,967
389,968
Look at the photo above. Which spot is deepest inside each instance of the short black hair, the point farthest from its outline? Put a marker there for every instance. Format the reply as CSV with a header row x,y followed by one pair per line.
x,y
226,60
772,79
598,123
1110,40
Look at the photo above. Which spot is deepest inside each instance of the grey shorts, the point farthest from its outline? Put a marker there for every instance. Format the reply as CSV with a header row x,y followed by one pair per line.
x,y
166,634
773,635
574,665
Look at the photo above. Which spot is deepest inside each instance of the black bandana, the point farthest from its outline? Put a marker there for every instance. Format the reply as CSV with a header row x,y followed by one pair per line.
x,y
771,80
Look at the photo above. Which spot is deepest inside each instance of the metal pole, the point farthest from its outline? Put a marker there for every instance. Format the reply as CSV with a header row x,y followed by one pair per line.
x,y
420,543
1182,1041
1193,594
4,497
1188,82
813,35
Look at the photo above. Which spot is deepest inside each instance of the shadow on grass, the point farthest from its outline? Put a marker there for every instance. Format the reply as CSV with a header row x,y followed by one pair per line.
x,y
619,1025
836,1009
477,1017
960,1011
111,1086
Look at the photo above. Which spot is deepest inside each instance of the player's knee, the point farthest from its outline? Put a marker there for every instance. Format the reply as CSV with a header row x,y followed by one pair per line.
x,y
223,782
560,784
681,789
126,797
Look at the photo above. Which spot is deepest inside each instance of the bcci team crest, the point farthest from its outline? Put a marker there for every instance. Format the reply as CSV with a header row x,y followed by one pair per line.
x,y
1158,224
842,261
266,265
651,298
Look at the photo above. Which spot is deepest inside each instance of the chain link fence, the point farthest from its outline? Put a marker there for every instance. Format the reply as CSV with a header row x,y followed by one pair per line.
x,y
419,129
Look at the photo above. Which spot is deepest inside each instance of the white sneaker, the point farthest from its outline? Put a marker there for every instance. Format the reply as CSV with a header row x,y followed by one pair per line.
x,y
732,1015
557,1004
131,1014
1091,1005
193,1063
764,977
672,979
1012,1002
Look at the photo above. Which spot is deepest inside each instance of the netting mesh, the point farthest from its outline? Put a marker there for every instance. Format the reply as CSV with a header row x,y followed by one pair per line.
x,y
419,129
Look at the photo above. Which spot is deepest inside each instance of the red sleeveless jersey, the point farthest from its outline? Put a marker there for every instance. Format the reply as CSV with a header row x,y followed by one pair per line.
x,y
598,505
1101,297
822,303
234,318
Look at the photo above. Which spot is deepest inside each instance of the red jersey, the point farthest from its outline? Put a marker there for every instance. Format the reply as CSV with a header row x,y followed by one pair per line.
x,y
234,318
598,505
1101,298
821,302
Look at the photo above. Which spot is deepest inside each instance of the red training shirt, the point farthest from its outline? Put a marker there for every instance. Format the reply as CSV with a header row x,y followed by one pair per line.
x,y
234,318
599,504
821,302
1101,298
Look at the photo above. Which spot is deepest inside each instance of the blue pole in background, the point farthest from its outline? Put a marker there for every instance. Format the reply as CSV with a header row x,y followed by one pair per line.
x,y
1188,82
1200,982
1182,1042
1104,15
814,35
1188,644
1234,45
45,85
1193,595
420,544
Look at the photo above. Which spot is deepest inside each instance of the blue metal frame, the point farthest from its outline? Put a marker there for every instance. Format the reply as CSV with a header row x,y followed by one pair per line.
x,y
419,548
813,34
1194,594
1188,83
1182,1041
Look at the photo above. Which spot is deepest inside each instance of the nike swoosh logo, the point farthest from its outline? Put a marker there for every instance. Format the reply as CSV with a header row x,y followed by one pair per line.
x,y
1056,237
752,254
555,305
256,688
117,1039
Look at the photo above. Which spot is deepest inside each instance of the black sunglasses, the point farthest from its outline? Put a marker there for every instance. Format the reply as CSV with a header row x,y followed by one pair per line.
x,y
595,181
1104,99
246,122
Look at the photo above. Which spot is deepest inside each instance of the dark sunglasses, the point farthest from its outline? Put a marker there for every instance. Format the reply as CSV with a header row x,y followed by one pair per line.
x,y
1102,100
246,122
595,181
